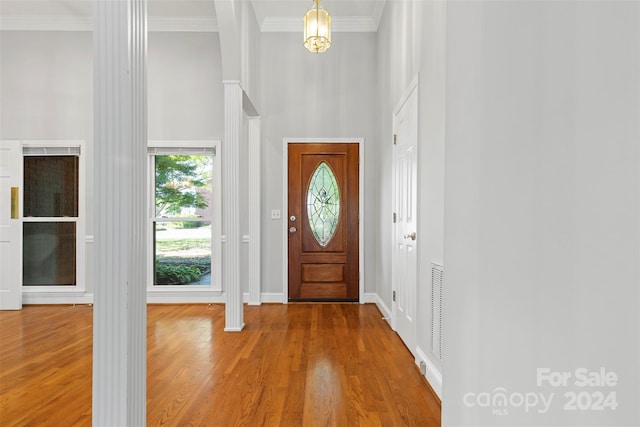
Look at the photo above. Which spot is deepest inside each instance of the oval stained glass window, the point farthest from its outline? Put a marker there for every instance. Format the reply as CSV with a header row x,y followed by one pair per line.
x,y
323,203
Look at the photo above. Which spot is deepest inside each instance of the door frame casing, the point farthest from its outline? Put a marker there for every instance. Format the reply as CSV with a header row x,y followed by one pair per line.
x,y
285,204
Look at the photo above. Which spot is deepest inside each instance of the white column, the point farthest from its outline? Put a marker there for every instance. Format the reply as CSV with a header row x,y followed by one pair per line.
x,y
255,210
231,205
120,138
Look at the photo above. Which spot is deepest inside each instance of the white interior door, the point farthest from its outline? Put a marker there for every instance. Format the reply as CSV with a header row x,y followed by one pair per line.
x,y
10,225
405,179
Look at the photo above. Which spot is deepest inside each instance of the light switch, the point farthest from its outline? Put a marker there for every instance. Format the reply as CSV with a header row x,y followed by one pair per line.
x,y
275,214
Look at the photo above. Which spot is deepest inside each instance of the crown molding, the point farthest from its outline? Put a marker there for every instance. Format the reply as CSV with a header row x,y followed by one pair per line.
x,y
63,23
45,23
339,24
186,24
377,12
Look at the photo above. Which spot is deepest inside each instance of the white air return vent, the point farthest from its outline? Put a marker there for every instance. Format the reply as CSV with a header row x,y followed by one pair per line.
x,y
437,276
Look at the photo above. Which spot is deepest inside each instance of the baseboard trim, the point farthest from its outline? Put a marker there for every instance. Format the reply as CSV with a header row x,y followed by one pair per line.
x,y
265,297
369,298
153,297
235,329
159,296
433,374
386,313
56,298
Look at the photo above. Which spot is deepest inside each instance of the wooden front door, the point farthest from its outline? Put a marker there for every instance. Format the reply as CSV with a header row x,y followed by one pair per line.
x,y
323,222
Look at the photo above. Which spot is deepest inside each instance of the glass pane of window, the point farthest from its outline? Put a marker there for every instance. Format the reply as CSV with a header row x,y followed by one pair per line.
x,y
323,204
49,254
182,253
50,186
183,185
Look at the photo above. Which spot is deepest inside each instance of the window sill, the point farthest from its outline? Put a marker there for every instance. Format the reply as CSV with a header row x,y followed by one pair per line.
x,y
73,290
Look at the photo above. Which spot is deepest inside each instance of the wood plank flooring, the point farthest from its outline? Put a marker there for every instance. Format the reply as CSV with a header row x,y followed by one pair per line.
x,y
293,365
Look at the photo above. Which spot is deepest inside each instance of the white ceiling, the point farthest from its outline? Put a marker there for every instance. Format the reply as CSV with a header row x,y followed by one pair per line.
x,y
272,15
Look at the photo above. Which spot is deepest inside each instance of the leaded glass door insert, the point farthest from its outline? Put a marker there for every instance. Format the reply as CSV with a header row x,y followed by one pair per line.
x,y
323,204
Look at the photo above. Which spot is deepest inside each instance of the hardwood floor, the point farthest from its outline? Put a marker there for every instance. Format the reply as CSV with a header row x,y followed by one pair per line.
x,y
293,365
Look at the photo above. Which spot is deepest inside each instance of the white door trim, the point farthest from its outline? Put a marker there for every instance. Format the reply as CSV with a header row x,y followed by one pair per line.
x,y
285,204
11,172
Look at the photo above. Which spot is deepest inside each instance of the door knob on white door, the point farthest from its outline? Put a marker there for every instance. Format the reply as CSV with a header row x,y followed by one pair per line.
x,y
411,236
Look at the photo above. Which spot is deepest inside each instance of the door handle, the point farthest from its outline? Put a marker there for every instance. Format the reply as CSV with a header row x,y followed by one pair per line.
x,y
411,236
293,230
14,203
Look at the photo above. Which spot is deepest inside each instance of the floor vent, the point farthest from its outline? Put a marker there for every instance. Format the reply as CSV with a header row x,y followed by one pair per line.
x,y
436,309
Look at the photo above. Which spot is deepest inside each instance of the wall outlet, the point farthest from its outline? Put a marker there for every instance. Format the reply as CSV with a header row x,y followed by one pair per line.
x,y
275,214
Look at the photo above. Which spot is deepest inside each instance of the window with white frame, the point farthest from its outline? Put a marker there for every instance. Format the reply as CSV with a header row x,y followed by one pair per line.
x,y
184,216
53,223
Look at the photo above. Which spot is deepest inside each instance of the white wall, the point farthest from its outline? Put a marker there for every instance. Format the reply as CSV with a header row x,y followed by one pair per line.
x,y
411,41
240,38
47,85
46,92
250,42
307,95
185,86
542,237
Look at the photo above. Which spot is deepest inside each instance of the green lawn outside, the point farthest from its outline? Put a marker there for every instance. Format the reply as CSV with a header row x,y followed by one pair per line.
x,y
188,252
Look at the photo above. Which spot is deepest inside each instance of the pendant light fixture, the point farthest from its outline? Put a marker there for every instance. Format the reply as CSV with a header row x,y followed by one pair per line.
x,y
317,29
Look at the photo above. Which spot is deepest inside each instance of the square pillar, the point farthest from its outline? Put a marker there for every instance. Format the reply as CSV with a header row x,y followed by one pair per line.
x,y
233,113
255,211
